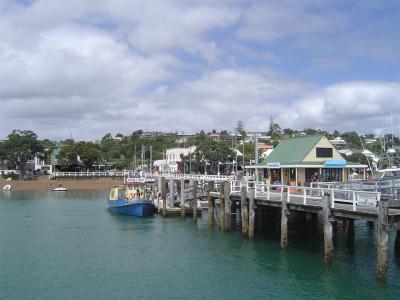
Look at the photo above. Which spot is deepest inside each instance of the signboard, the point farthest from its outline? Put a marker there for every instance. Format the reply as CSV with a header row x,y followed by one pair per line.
x,y
135,180
335,163
273,165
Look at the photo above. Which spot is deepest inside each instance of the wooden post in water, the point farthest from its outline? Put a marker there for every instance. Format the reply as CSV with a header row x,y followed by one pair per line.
x,y
183,198
284,223
194,201
252,213
383,239
222,204
244,211
227,214
328,231
164,196
171,185
211,204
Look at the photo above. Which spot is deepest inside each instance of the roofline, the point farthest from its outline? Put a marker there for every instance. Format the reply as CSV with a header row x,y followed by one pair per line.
x,y
306,166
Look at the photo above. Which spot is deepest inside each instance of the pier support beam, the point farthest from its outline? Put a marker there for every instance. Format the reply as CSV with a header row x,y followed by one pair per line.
x,y
194,201
183,199
211,204
227,214
222,204
171,186
284,223
164,196
252,213
244,211
328,232
383,239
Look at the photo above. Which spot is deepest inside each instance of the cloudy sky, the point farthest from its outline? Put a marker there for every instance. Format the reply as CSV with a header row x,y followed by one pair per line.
x,y
88,67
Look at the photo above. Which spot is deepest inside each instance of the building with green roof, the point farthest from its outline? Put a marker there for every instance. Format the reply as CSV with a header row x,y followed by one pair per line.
x,y
298,160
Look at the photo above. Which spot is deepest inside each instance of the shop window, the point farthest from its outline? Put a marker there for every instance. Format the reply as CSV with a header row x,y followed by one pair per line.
x,y
332,175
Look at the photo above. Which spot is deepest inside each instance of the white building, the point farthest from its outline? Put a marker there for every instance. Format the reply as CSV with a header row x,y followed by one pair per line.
x,y
174,156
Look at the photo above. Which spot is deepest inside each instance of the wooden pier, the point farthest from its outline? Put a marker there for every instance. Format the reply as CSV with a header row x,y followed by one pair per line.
x,y
343,206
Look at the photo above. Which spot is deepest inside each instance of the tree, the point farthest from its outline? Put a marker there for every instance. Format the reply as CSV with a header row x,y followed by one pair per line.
x,y
310,131
240,129
288,131
73,157
19,147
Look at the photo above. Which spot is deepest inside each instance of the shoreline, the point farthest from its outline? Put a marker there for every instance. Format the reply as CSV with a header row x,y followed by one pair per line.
x,y
43,184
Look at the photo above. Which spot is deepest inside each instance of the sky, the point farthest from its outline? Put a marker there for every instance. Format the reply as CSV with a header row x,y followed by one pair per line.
x,y
83,68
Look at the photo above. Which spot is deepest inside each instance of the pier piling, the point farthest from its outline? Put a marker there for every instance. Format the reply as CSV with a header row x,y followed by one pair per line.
x,y
244,213
211,204
252,213
328,232
171,186
227,210
164,196
194,201
183,198
383,239
222,204
284,223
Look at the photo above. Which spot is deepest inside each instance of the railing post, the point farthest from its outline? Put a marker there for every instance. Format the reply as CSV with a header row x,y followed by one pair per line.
x,y
354,201
332,199
288,194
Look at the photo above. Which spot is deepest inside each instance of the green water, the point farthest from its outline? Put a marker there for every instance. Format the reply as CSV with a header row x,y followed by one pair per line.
x,y
69,246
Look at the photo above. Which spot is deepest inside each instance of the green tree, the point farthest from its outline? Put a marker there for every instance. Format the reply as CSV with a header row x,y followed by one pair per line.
x,y
19,147
78,156
240,130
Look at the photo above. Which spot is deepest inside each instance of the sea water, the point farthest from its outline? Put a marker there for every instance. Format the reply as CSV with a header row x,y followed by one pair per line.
x,y
70,246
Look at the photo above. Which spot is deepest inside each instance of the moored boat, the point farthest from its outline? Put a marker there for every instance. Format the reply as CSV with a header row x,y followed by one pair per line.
x,y
133,198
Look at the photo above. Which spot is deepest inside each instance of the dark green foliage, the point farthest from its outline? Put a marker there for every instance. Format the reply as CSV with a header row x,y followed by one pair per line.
x,y
19,147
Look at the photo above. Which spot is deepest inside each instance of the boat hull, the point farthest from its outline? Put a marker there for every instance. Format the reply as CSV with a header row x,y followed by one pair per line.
x,y
137,208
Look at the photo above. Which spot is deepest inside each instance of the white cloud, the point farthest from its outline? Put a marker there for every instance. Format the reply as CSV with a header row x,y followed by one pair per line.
x,y
89,67
359,106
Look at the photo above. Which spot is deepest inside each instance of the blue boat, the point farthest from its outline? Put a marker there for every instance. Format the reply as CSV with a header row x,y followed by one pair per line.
x,y
133,199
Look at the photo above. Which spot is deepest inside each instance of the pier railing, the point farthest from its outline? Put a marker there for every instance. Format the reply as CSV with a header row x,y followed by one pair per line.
x,y
309,195
91,174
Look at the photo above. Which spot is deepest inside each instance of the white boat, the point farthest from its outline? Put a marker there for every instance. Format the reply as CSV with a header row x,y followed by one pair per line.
x,y
60,189
7,187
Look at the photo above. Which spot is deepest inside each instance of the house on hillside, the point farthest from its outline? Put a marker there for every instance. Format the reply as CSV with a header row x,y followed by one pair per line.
x,y
174,156
301,160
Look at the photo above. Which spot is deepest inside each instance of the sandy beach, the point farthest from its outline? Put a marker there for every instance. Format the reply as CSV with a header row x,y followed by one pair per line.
x,y
43,184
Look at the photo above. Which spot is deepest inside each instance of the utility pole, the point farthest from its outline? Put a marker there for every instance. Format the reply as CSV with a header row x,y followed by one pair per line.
x,y
134,158
151,159
256,154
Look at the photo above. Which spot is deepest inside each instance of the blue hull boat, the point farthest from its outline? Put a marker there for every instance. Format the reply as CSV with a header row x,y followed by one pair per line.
x,y
133,199
136,208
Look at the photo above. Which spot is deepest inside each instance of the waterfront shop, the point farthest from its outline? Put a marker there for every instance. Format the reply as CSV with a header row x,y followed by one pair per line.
x,y
301,160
